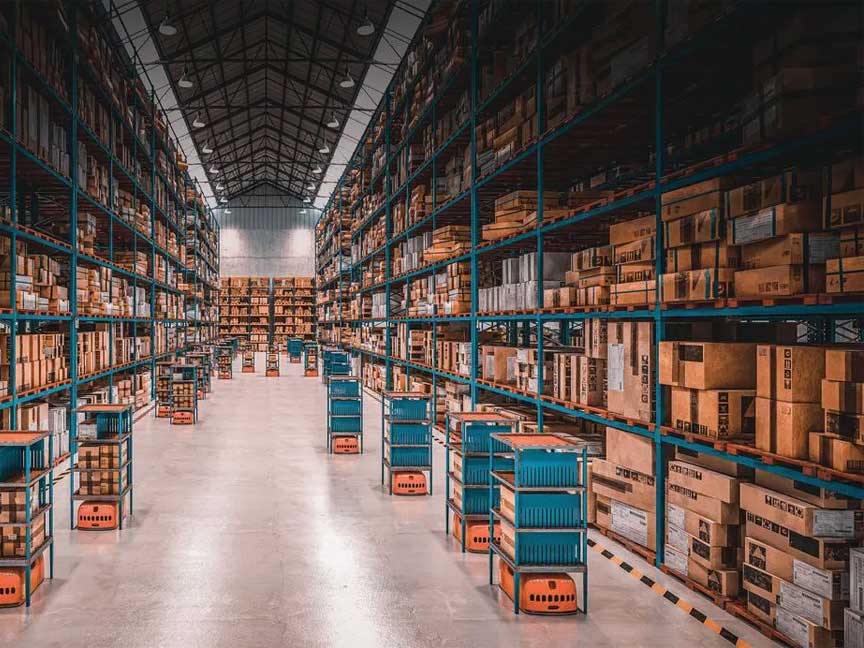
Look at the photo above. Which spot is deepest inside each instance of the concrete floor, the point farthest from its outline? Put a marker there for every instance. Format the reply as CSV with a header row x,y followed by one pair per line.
x,y
245,533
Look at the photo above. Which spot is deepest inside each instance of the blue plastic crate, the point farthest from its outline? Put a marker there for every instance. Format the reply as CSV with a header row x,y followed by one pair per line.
x,y
344,387
542,468
476,500
543,510
407,409
538,548
409,433
349,424
346,407
408,456
475,470
475,437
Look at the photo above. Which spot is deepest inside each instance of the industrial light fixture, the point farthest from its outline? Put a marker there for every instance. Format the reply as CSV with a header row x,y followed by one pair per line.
x,y
348,81
166,28
220,187
184,81
197,123
317,170
302,211
227,211
213,169
333,123
223,200
307,200
366,28
324,150
207,150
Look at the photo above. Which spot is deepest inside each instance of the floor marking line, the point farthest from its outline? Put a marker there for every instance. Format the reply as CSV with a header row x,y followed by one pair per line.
x,y
657,588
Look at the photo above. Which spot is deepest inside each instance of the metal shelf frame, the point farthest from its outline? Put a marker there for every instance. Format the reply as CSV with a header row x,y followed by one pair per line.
x,y
650,88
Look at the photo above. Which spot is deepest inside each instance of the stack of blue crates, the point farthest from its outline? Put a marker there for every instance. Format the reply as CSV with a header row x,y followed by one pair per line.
x,y
344,408
468,456
543,506
406,443
336,363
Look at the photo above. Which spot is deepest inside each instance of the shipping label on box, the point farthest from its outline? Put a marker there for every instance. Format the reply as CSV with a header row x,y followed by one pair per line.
x,y
810,606
677,538
676,559
632,523
828,584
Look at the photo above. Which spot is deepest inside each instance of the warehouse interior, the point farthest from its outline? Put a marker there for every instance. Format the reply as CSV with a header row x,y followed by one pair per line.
x,y
431,322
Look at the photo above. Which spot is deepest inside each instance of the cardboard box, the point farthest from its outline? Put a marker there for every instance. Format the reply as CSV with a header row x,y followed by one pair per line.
x,y
722,581
714,557
709,507
827,553
708,365
846,426
790,373
779,281
697,285
791,249
853,628
856,579
623,484
634,524
769,559
805,633
704,481
792,186
844,364
835,453
709,194
701,227
630,369
845,275
713,254
715,413
708,531
808,605
638,251
821,497
634,293
847,208
784,428
760,607
631,230
760,582
799,516
630,450
712,462
843,396
775,221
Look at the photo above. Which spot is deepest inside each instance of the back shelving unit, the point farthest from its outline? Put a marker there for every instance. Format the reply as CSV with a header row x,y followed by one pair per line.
x,y
510,137
114,249
267,310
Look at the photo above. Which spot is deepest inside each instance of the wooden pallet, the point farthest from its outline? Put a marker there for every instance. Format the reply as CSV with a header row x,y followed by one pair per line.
x,y
805,466
716,444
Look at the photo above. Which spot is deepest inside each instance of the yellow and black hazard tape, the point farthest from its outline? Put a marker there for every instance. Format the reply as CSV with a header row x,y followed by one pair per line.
x,y
657,588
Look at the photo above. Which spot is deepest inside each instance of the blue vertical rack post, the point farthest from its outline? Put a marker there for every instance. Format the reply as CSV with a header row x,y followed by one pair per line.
x,y
26,469
344,414
406,442
112,430
543,509
467,451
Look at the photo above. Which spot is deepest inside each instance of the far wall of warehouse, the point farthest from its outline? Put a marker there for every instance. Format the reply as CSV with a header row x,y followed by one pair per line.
x,y
266,235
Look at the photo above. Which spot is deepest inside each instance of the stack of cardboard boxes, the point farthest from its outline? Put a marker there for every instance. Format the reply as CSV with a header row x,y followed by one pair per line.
x,y
40,359
579,375
623,487
633,252
93,351
38,279
797,548
631,367
712,387
514,212
844,208
841,446
702,521
788,390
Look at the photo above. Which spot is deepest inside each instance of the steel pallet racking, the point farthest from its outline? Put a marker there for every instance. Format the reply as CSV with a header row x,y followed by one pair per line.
x,y
184,393
160,249
25,465
638,118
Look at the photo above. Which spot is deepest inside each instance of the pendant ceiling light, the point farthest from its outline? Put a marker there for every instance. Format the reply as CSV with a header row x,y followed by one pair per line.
x,y
366,28
317,170
214,169
207,150
348,81
333,123
184,81
197,123
324,150
166,28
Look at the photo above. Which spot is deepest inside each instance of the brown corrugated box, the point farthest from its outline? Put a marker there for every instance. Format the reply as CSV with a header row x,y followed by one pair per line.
x,y
630,369
714,557
704,481
696,285
799,516
762,608
767,558
630,450
701,227
792,186
840,396
845,426
708,531
722,581
847,208
792,249
704,505
634,293
838,454
790,373
708,365
784,428
821,497
779,281
844,364
623,484
760,582
774,221
713,254
713,462
845,275
712,412
698,197
825,553
627,231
